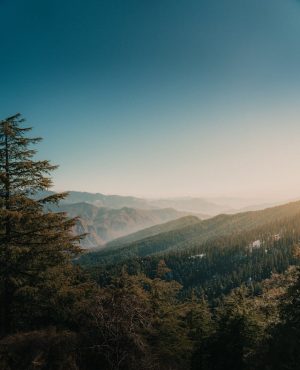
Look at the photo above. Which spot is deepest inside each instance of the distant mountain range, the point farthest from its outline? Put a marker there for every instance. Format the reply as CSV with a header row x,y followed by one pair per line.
x,y
203,206
107,217
185,236
191,205
103,224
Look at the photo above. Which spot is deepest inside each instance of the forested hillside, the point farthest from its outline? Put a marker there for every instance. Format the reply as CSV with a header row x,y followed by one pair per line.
x,y
214,266
151,231
189,237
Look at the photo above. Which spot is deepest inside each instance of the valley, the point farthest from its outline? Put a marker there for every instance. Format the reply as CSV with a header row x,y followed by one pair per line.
x,y
104,218
210,256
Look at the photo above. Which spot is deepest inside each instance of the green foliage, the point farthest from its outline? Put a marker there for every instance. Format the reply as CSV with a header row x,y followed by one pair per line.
x,y
240,332
284,339
36,247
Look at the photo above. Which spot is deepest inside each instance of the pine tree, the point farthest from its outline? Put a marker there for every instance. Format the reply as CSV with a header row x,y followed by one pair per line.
x,y
201,329
35,244
239,333
283,345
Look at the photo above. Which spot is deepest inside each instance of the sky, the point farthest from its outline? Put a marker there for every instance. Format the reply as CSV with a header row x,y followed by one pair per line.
x,y
158,98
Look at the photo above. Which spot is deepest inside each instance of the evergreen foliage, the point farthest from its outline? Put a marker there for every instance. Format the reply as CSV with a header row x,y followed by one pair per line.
x,y
36,247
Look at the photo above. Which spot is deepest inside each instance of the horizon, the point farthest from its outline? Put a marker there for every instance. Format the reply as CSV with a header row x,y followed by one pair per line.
x,y
211,198
159,100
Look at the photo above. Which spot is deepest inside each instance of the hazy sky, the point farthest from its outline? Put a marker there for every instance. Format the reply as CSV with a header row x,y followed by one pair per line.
x,y
160,97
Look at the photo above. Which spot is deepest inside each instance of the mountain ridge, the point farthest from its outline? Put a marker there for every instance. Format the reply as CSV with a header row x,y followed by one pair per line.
x,y
194,235
151,231
101,224
206,207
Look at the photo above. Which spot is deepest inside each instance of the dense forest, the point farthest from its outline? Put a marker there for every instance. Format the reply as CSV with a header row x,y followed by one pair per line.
x,y
216,294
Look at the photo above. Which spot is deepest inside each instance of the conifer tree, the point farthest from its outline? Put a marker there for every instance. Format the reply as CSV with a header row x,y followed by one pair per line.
x,y
238,335
283,345
33,242
201,330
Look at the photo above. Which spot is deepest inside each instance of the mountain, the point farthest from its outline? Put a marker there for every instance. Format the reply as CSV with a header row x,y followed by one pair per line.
x,y
195,205
239,203
108,201
205,207
189,205
104,224
210,257
190,237
151,231
101,200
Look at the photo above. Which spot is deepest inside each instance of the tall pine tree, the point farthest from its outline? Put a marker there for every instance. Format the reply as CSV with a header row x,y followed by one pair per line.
x,y
35,245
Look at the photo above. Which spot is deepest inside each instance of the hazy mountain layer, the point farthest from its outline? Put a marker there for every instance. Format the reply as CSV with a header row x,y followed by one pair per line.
x,y
189,205
154,230
104,224
202,206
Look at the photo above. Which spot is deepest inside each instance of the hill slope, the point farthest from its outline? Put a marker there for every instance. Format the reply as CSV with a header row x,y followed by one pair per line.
x,y
194,235
151,231
104,224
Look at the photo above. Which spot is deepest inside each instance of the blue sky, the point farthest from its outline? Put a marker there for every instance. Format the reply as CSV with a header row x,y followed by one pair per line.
x,y
158,98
